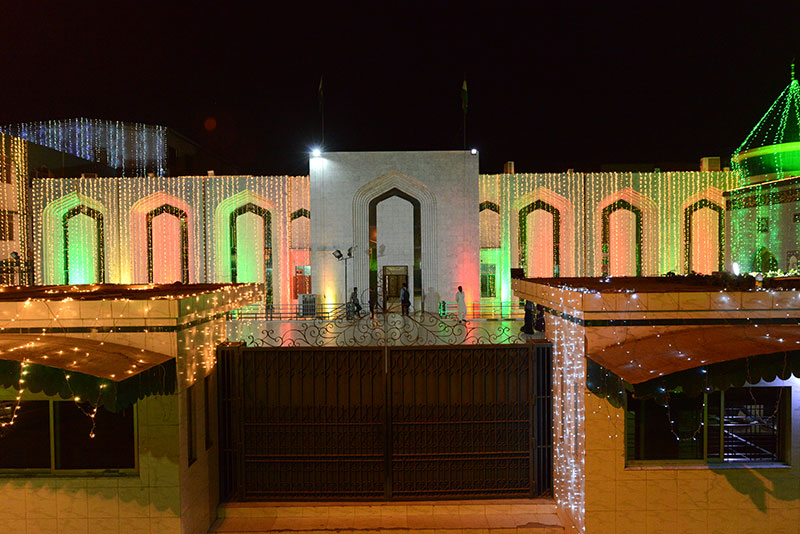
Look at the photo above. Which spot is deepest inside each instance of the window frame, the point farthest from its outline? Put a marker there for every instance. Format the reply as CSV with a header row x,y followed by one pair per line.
x,y
191,426
22,471
490,277
784,438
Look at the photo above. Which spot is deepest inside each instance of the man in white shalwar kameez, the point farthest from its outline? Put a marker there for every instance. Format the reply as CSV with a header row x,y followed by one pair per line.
x,y
461,305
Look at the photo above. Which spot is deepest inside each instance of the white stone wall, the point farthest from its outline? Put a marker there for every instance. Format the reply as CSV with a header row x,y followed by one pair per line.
x,y
395,218
446,183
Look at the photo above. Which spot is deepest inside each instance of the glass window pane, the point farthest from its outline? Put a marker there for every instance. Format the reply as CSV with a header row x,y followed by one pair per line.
x,y
714,427
26,443
753,424
671,432
112,446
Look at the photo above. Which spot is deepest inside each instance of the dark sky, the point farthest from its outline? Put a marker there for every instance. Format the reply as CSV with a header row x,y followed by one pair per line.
x,y
552,85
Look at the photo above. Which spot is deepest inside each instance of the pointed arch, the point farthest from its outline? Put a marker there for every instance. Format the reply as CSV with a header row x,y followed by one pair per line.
x,y
712,199
143,237
765,261
365,200
227,228
563,228
57,217
645,238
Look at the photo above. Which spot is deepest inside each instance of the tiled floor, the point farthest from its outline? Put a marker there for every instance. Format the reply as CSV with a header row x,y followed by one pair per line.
x,y
518,516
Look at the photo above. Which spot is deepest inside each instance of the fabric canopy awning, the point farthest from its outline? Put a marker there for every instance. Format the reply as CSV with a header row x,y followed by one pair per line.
x,y
643,359
102,359
108,374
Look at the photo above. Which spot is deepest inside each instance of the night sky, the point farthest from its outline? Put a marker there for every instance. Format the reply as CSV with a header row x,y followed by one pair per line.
x,y
550,87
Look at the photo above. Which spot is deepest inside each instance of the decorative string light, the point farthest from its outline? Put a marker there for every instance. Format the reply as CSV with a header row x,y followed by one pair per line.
x,y
133,149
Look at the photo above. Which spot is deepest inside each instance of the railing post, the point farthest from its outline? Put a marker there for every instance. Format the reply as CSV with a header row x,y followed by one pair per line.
x,y
533,393
387,455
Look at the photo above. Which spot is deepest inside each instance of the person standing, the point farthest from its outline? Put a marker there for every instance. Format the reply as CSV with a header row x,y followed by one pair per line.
x,y
539,324
461,305
373,300
405,299
356,305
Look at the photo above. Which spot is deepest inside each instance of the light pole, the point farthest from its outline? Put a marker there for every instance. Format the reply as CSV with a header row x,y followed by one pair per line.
x,y
341,257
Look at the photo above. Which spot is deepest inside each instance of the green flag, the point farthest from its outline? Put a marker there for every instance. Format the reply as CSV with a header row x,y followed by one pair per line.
x,y
464,96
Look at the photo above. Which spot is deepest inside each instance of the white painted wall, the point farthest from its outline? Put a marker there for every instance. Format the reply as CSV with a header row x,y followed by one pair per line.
x,y
395,228
449,182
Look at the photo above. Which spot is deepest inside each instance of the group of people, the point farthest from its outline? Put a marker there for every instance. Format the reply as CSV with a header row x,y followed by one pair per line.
x,y
533,324
405,303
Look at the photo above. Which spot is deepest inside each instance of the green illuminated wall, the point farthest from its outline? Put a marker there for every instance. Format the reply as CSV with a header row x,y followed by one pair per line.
x,y
73,235
666,200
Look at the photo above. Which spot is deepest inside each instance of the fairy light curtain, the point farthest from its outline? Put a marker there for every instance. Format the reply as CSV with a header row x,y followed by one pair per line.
x,y
166,229
677,229
134,149
13,207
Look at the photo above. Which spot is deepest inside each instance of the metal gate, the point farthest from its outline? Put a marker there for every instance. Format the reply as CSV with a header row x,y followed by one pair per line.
x,y
385,422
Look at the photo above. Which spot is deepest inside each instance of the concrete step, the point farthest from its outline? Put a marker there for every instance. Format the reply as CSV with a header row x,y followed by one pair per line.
x,y
514,516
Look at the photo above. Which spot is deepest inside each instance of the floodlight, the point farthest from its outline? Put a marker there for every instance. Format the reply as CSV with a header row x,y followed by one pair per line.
x,y
473,151
337,254
350,252
316,153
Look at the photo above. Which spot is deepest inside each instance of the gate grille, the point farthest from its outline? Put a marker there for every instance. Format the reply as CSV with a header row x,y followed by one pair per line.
x,y
385,422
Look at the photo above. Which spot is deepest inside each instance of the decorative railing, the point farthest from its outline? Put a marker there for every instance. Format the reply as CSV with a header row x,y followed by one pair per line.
x,y
385,329
333,311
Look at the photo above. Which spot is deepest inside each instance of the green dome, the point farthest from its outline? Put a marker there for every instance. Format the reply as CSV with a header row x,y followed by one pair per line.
x,y
772,150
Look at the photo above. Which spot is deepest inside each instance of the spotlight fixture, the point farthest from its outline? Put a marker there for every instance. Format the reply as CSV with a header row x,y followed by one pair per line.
x,y
337,254
350,252
315,153
473,151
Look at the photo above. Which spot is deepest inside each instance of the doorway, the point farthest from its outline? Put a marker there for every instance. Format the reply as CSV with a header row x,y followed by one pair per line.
x,y
394,276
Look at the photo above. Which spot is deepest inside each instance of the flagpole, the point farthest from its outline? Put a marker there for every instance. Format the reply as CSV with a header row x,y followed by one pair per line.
x,y
322,110
464,109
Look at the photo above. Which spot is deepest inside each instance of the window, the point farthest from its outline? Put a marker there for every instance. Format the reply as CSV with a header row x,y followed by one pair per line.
x,y
26,443
302,280
207,410
57,436
191,444
6,169
110,445
6,225
488,280
738,425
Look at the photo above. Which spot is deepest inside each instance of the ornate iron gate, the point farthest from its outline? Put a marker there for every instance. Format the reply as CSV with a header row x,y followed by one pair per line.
x,y
385,422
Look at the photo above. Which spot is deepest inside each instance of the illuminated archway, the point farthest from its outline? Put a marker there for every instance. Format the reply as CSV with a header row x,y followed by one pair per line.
x,y
557,238
365,201
628,234
235,261
160,243
83,251
688,235
73,240
765,261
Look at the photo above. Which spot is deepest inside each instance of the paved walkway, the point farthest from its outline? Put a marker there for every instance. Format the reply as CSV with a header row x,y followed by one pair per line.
x,y
513,516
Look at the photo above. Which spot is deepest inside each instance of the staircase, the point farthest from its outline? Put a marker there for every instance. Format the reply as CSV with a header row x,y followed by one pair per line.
x,y
511,516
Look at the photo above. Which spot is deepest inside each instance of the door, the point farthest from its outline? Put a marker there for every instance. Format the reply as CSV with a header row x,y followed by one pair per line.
x,y
413,422
394,276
